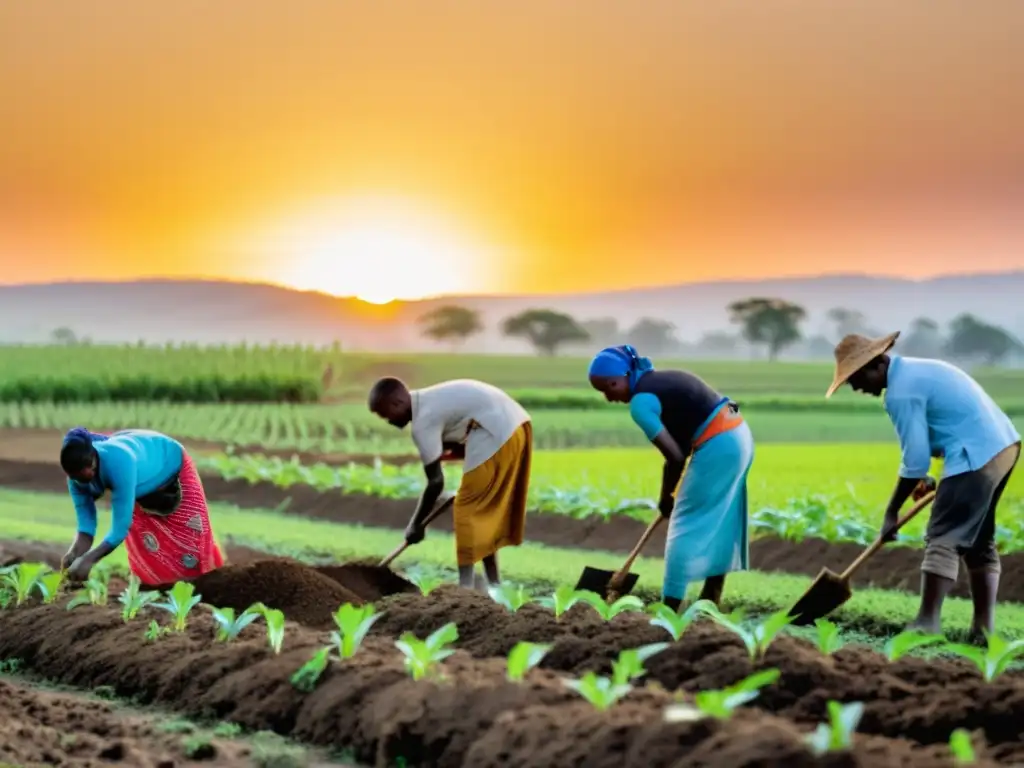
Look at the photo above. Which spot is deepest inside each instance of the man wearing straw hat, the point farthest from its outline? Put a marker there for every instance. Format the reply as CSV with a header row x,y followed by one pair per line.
x,y
940,412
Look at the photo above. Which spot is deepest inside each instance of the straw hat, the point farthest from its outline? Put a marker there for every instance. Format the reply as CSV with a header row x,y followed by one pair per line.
x,y
854,352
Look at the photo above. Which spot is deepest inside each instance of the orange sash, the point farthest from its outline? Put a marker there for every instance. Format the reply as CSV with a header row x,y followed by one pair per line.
x,y
725,420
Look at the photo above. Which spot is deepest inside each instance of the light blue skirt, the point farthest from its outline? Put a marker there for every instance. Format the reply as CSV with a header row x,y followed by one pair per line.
x,y
707,534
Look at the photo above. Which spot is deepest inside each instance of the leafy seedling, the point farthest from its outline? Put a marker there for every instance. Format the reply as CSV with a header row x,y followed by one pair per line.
x,y
993,660
510,596
630,663
961,748
523,657
721,704
828,637
49,585
230,626
905,642
756,640
154,631
609,611
427,583
134,599
354,623
274,619
422,656
837,734
22,578
601,692
94,593
180,601
561,600
672,621
307,676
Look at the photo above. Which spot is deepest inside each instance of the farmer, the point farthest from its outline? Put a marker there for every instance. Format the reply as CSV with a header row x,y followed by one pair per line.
x,y
940,412
687,419
158,508
470,420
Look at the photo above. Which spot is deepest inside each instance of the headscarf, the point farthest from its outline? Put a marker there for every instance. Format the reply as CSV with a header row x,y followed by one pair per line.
x,y
83,436
620,361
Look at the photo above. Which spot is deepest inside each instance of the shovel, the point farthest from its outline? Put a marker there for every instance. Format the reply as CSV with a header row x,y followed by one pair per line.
x,y
614,584
434,514
830,591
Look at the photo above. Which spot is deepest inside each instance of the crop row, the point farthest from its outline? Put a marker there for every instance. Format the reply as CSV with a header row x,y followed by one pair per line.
x,y
423,658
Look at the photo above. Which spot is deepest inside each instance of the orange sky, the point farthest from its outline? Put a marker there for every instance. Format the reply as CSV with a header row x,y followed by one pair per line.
x,y
565,145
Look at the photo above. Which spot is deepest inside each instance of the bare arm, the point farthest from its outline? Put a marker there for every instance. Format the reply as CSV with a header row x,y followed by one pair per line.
x,y
675,462
430,495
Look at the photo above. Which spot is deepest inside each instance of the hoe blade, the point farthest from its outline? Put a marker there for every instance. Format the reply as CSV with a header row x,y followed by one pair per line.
x,y
599,581
827,593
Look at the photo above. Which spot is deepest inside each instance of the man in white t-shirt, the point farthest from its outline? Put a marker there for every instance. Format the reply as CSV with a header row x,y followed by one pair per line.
x,y
469,420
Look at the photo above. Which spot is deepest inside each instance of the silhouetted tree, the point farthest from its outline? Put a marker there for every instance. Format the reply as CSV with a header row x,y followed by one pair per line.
x,y
923,340
848,321
64,336
653,336
545,329
768,321
971,338
451,323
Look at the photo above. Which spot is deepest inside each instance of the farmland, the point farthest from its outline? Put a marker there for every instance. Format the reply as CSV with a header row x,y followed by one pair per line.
x,y
319,481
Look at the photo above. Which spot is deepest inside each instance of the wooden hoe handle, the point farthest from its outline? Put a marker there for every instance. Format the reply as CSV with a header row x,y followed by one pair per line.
x,y
639,547
910,515
434,514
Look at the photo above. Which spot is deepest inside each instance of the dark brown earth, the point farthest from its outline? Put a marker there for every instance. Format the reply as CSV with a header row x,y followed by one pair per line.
x,y
369,706
43,728
892,568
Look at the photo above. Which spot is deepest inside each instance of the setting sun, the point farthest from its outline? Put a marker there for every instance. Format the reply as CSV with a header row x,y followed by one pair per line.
x,y
375,250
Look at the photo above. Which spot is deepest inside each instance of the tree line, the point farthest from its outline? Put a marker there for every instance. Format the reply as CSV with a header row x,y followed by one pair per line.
x,y
766,323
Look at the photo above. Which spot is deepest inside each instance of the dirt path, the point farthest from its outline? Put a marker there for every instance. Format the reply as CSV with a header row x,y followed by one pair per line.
x,y
48,728
370,707
892,568
43,446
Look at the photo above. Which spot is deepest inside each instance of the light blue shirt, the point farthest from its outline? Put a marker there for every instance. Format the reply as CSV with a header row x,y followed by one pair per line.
x,y
939,411
132,463
645,408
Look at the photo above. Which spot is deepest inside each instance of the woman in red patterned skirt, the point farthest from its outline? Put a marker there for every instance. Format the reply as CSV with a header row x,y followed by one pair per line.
x,y
157,503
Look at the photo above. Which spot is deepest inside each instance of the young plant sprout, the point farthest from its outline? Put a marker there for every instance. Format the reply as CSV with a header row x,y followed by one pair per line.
x,y
154,631
630,664
230,626
563,598
274,618
993,660
828,637
672,621
422,656
511,596
601,692
757,640
49,585
134,599
837,734
95,593
22,578
905,642
523,657
721,704
609,611
308,675
961,748
354,623
180,600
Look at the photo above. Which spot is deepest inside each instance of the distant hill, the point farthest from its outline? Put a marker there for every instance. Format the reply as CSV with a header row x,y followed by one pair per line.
x,y
210,311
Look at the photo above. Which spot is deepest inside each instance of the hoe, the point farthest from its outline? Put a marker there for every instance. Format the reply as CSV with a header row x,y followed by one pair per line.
x,y
829,591
612,585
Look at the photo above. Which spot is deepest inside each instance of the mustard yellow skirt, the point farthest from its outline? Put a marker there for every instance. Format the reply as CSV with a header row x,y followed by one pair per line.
x,y
490,505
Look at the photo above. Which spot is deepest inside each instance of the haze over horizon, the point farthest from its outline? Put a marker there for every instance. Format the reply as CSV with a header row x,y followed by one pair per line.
x,y
386,151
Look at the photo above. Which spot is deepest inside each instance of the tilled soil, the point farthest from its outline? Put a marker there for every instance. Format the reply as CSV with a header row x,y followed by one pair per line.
x,y
893,567
370,707
42,728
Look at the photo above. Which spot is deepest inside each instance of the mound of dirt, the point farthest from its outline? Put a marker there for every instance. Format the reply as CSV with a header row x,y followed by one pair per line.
x,y
368,580
303,594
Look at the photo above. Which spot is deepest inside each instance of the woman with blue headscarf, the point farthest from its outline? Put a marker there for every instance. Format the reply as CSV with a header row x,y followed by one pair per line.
x,y
707,507
158,506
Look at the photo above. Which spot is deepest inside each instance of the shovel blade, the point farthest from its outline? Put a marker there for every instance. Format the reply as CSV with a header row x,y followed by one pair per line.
x,y
825,595
598,580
